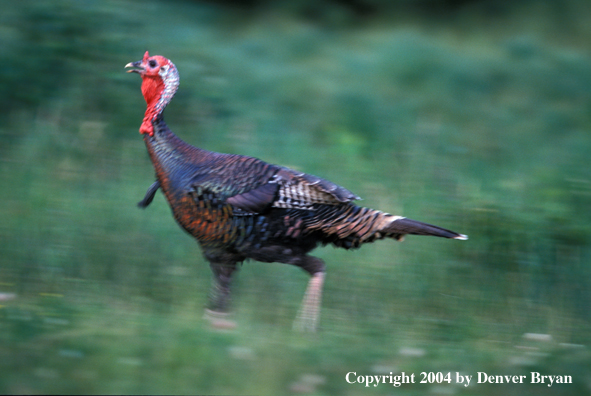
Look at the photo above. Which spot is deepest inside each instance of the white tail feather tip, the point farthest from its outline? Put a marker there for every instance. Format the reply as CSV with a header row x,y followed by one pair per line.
x,y
461,237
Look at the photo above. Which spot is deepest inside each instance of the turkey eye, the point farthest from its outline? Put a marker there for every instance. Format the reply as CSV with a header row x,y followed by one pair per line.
x,y
152,63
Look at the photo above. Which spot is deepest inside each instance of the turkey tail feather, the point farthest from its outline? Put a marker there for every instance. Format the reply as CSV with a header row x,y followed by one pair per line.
x,y
399,226
349,225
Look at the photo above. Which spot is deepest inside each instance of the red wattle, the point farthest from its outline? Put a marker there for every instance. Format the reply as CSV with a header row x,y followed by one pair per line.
x,y
152,88
147,127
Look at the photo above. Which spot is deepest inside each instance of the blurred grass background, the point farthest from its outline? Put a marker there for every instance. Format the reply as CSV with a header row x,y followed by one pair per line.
x,y
472,115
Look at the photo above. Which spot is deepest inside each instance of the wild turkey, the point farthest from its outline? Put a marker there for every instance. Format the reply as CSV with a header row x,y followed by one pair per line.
x,y
239,207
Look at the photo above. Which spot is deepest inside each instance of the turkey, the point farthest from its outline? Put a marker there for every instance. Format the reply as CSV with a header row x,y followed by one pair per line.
x,y
240,207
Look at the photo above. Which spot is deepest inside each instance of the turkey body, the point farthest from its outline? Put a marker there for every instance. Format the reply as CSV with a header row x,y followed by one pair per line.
x,y
227,201
239,207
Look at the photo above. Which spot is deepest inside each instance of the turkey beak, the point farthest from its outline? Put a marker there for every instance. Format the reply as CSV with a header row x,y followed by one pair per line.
x,y
138,65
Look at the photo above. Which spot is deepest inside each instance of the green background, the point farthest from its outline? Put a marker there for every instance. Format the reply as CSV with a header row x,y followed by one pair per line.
x,y
471,115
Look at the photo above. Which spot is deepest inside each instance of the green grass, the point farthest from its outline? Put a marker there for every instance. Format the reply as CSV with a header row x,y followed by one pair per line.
x,y
473,122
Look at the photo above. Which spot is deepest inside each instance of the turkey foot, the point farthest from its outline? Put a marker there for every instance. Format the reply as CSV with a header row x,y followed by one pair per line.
x,y
309,312
219,320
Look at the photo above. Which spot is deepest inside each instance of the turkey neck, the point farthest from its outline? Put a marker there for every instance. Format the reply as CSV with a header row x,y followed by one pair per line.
x,y
174,160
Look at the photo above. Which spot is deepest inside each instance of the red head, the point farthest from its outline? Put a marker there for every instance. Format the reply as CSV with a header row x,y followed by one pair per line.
x,y
160,80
